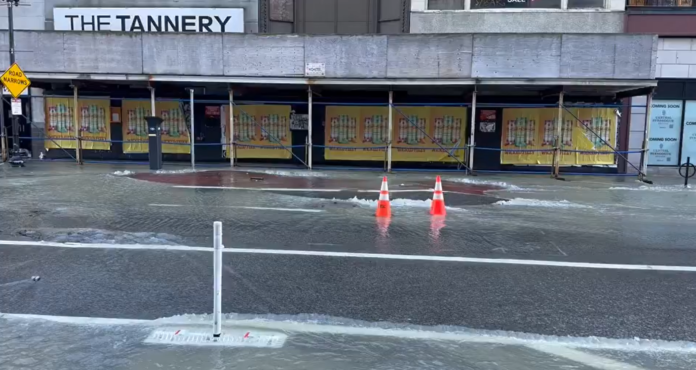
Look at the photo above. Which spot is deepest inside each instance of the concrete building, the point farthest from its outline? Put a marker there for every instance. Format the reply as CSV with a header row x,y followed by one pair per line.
x,y
346,52
672,131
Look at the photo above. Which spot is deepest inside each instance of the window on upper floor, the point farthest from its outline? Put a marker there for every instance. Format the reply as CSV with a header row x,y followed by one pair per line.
x,y
505,4
580,4
661,3
496,4
446,4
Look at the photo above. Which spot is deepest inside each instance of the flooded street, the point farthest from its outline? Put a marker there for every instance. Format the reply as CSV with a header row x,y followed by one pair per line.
x,y
539,260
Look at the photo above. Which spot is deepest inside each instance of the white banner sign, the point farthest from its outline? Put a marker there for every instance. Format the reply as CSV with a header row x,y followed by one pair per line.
x,y
665,126
201,20
315,70
16,107
689,133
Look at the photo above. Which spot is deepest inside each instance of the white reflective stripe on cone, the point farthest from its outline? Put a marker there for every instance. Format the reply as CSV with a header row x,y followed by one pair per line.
x,y
385,187
438,186
384,195
438,196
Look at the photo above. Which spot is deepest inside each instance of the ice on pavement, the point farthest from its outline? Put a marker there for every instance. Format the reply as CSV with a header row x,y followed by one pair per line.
x,y
501,184
656,188
100,236
123,173
168,172
540,203
394,202
323,324
35,344
291,173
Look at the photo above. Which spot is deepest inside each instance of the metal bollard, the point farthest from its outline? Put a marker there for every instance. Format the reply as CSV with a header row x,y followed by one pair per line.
x,y
217,279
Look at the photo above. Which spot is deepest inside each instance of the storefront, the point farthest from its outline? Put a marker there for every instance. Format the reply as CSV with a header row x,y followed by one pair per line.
x,y
673,124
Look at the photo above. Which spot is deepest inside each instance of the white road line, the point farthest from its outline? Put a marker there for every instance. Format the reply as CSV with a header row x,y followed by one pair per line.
x,y
256,189
588,359
241,207
107,246
546,343
290,252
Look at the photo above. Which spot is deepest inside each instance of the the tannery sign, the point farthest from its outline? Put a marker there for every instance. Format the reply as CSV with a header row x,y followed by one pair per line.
x,y
229,20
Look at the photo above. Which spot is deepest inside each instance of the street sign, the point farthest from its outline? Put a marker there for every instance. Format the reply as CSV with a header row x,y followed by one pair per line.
x,y
15,81
16,107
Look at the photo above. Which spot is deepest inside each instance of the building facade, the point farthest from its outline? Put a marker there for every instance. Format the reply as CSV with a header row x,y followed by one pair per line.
x,y
672,130
439,59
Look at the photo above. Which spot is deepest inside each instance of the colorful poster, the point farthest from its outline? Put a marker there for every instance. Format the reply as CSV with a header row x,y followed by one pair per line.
x,y
665,126
260,131
688,141
529,136
176,118
421,133
92,122
356,133
418,133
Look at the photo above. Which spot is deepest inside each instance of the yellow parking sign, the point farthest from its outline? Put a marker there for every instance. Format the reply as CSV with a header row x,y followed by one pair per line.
x,y
15,80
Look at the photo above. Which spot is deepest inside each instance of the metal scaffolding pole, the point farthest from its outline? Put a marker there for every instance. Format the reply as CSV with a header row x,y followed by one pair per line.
x,y
559,133
231,133
472,133
76,123
193,135
646,133
309,126
391,125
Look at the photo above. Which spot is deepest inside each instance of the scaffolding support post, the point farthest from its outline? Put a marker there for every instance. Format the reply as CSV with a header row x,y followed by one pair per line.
x,y
3,138
559,133
646,139
309,126
391,128
152,101
231,133
193,135
78,139
472,133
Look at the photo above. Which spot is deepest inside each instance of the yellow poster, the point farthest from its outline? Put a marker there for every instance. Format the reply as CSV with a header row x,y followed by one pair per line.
x,y
260,131
175,126
93,122
356,133
418,133
596,128
528,136
421,133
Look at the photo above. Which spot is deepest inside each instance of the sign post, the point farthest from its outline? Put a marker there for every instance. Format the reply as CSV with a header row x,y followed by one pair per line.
x,y
16,83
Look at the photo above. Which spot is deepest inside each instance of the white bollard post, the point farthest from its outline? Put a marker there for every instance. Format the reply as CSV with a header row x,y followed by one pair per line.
x,y
217,279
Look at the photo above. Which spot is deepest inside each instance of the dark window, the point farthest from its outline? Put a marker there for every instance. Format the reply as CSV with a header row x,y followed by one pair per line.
x,y
489,4
578,4
445,4
661,3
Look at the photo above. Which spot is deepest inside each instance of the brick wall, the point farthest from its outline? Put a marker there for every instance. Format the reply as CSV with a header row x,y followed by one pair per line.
x,y
676,58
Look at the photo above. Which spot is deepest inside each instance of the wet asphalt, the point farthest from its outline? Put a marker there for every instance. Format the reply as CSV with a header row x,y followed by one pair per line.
x,y
608,226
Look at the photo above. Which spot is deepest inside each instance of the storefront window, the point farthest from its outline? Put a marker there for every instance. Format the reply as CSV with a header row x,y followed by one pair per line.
x,y
665,129
489,4
689,132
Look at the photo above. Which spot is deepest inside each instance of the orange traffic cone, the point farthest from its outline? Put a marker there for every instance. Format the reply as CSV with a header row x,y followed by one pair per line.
x,y
383,205
437,207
